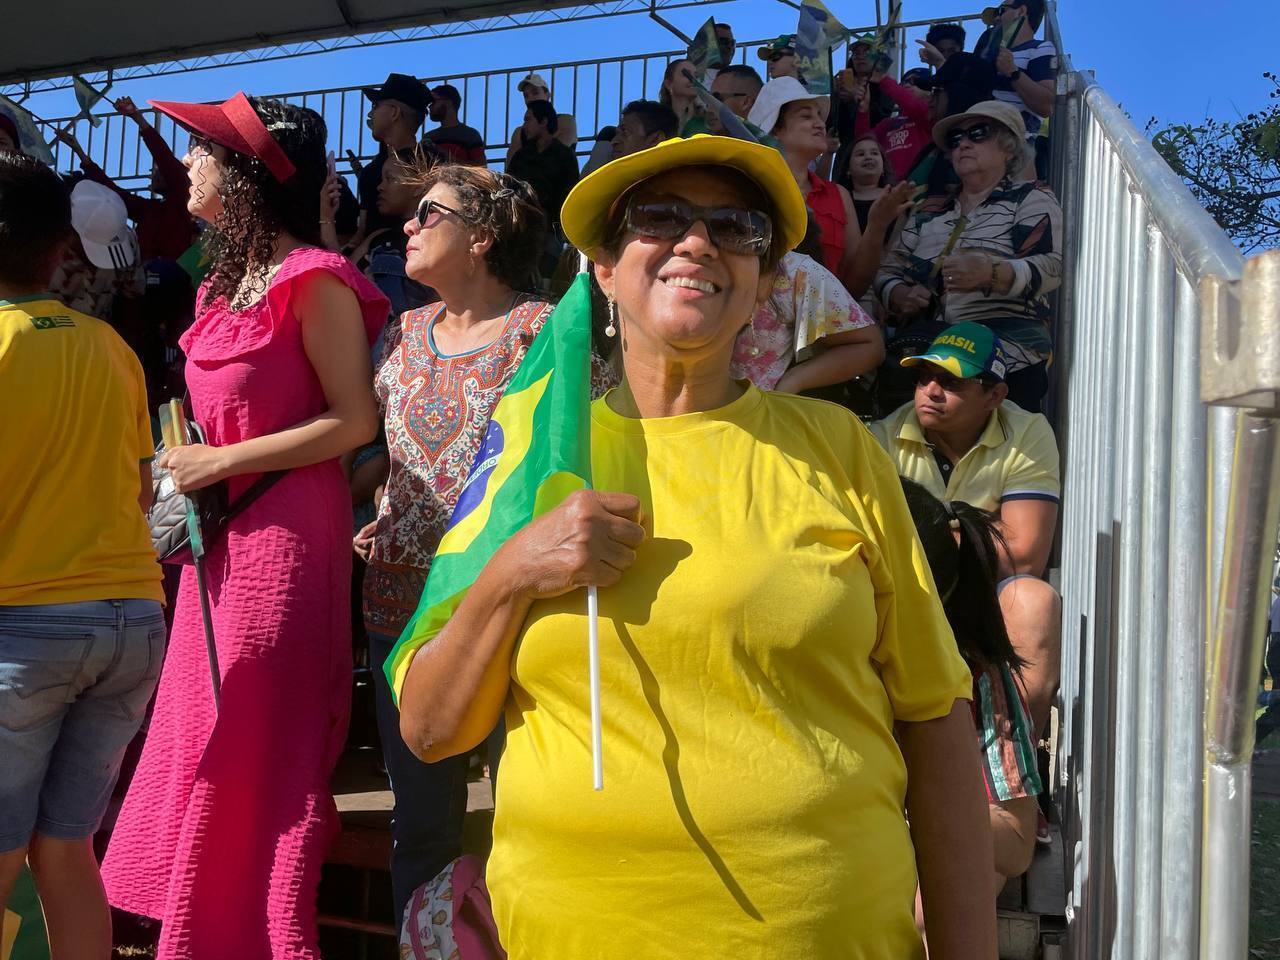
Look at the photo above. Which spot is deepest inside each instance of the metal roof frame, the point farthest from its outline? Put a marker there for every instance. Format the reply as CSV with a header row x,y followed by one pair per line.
x,y
464,18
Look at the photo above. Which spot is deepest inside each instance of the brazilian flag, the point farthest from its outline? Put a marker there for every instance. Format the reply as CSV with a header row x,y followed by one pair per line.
x,y
536,451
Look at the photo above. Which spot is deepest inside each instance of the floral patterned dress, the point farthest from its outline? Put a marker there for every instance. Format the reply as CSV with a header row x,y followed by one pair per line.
x,y
808,303
436,408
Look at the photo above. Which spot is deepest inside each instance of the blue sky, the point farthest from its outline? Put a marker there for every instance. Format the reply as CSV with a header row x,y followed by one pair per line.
x,y
1165,58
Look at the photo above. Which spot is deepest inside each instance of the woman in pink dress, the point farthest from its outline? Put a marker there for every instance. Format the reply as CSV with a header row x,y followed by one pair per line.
x,y
226,823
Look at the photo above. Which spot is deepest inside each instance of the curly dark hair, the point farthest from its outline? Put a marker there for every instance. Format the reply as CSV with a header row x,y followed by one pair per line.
x,y
257,208
504,207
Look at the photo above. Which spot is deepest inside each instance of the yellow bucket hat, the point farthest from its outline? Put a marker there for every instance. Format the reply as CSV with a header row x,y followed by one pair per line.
x,y
585,213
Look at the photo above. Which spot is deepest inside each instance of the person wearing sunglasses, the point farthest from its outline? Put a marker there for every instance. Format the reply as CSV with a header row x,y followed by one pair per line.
x,y
780,57
961,438
475,237
737,87
766,623
989,251
224,828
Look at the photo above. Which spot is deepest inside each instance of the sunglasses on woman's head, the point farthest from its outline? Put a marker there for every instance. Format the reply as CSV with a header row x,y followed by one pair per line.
x,y
732,229
975,134
429,209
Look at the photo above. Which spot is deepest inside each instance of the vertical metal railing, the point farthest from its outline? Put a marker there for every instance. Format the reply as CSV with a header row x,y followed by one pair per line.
x,y
1169,523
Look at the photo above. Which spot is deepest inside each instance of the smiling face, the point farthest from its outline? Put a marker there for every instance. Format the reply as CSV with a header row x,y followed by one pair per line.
x,y
203,161
802,128
446,247
684,300
866,163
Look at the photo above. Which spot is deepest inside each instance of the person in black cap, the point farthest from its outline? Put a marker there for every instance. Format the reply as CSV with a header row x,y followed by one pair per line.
x,y
963,80
454,139
395,114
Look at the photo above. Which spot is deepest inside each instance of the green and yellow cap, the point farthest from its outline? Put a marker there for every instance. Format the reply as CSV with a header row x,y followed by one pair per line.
x,y
964,350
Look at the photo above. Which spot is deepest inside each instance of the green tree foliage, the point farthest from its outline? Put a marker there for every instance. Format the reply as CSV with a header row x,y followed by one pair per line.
x,y
1233,168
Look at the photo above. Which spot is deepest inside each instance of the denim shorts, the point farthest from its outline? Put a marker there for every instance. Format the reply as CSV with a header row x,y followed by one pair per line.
x,y
75,680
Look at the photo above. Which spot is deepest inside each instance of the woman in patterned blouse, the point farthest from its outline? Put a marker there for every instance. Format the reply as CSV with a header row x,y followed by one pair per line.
x,y
475,239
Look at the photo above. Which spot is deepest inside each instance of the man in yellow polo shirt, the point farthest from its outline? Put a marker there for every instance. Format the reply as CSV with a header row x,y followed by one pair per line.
x,y
962,440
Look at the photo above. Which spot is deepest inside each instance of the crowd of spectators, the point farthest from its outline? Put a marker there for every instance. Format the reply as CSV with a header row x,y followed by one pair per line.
x,y
916,291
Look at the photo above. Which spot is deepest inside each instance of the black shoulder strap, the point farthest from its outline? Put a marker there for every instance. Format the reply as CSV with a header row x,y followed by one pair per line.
x,y
256,489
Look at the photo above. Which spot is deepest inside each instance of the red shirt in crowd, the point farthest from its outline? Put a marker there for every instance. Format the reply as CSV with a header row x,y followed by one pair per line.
x,y
902,137
829,213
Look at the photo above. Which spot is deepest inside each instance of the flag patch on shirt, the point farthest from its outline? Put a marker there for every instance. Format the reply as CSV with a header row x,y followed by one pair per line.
x,y
50,323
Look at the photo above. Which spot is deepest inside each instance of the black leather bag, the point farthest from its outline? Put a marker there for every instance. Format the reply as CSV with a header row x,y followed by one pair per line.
x,y
167,517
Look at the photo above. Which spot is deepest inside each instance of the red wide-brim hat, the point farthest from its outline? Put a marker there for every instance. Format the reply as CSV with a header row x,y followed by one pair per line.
x,y
233,124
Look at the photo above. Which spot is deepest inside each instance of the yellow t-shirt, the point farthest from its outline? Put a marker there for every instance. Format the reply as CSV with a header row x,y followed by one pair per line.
x,y
1015,458
777,621
74,431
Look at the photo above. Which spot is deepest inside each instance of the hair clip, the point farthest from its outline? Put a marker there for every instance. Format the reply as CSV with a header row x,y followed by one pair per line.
x,y
954,524
282,125
503,194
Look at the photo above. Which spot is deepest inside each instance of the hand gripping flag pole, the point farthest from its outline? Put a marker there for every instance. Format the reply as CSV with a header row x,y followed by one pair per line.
x,y
593,654
535,452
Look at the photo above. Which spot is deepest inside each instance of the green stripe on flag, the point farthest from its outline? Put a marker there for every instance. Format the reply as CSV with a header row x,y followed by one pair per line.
x,y
536,451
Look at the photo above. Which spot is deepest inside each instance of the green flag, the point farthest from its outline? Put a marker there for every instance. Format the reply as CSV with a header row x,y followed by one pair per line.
x,y
535,452
87,97
24,934
704,50
30,140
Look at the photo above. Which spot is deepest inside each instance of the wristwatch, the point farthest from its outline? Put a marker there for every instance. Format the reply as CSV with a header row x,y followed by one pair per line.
x,y
1013,77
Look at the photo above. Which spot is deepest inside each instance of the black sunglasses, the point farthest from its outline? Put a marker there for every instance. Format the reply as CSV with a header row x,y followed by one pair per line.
x,y
974,134
927,373
428,206
732,229
722,97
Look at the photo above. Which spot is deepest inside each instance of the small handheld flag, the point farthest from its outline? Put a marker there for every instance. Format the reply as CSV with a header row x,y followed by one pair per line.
x,y
816,33
30,140
535,452
704,50
88,98
998,38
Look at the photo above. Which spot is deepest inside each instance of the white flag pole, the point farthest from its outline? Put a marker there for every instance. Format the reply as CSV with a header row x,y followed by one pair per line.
x,y
593,654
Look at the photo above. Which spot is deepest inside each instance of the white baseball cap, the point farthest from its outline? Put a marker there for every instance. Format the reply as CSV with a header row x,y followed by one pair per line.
x,y
775,95
102,222
533,80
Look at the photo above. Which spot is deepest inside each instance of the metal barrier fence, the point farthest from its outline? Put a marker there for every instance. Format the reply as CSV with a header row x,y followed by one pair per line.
x,y
1169,523
593,91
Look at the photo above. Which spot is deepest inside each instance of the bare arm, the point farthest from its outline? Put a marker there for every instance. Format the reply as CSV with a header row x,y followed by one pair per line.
x,y
457,683
1027,526
1036,94
852,237
333,337
838,357
951,830
867,259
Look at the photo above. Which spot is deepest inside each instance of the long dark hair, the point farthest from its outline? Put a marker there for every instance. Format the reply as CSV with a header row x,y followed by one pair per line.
x,y
257,208
966,573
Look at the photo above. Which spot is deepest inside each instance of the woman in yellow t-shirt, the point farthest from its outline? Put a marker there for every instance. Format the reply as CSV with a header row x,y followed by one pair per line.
x,y
775,661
